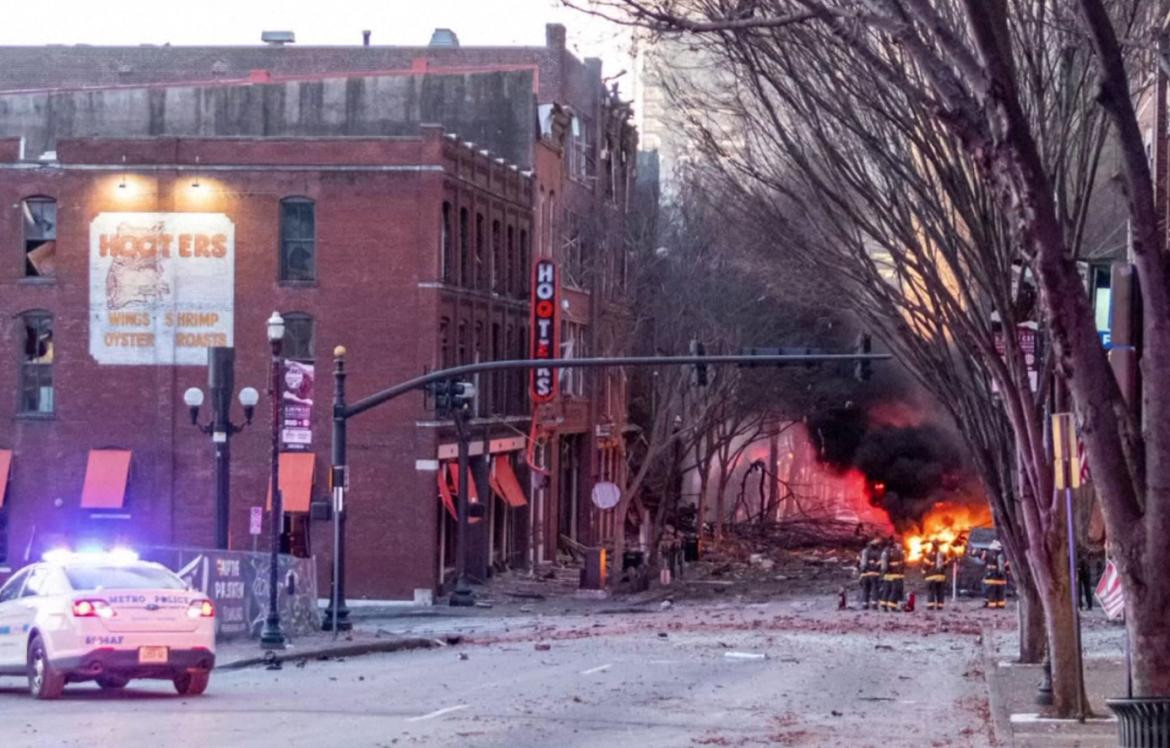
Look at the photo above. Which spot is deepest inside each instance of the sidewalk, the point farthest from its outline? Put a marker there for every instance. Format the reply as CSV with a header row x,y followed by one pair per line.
x,y
1020,722
319,645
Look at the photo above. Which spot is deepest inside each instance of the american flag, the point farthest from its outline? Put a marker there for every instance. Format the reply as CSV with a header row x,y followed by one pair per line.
x,y
1081,458
1110,594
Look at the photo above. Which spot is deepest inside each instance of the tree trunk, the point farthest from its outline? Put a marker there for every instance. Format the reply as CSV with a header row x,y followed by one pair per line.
x,y
1149,637
720,499
1033,635
1049,562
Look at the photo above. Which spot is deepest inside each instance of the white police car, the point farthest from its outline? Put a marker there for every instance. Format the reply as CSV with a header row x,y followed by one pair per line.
x,y
105,617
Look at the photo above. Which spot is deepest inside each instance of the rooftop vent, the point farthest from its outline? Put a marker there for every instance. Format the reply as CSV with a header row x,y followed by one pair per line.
x,y
277,38
444,38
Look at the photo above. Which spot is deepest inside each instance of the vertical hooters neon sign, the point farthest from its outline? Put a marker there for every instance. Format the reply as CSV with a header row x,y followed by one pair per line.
x,y
545,328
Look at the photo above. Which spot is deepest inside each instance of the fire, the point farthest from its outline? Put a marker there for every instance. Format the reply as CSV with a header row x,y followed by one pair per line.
x,y
948,523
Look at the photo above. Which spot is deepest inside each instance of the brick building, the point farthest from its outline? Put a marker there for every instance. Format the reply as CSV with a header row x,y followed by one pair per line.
x,y
539,140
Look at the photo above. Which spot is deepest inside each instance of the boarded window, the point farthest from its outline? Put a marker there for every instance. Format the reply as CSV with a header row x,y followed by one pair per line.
x,y
40,236
36,373
298,244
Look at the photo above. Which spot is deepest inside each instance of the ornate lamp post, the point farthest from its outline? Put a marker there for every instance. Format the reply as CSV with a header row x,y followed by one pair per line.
x,y
272,637
220,376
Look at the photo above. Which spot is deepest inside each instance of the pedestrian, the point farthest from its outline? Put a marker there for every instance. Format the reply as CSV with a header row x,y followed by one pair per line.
x,y
893,575
1085,578
934,568
869,565
994,575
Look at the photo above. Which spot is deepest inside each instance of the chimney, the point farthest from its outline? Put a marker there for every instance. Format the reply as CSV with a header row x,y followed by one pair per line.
x,y
366,38
277,38
444,38
554,35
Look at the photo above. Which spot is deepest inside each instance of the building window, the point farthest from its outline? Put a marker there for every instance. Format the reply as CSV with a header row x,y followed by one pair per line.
x,y
36,372
446,249
298,245
581,158
511,284
497,258
480,253
40,236
298,337
480,343
462,345
499,378
444,343
464,253
525,263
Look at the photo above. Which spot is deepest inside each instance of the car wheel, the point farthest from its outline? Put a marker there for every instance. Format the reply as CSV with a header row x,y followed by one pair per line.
x,y
112,682
192,682
44,682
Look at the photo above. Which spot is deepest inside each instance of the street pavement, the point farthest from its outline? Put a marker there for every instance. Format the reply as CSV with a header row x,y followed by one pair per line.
x,y
792,672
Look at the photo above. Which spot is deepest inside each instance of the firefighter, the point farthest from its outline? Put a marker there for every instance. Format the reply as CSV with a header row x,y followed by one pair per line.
x,y
893,574
870,567
994,575
934,568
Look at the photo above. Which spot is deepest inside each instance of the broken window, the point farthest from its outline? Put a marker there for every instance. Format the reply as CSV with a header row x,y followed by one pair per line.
x,y
447,257
581,158
298,337
480,254
298,246
511,282
40,236
36,373
497,258
464,253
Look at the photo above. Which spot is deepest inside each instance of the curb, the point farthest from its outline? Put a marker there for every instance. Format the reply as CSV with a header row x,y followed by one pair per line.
x,y
1000,722
340,650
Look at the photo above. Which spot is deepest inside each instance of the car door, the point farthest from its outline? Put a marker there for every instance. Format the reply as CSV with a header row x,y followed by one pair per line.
x,y
11,613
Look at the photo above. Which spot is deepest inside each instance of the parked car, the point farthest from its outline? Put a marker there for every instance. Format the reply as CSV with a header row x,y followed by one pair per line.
x,y
971,564
104,617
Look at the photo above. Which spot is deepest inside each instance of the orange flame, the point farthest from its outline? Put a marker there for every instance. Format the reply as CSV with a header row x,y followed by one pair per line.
x,y
948,523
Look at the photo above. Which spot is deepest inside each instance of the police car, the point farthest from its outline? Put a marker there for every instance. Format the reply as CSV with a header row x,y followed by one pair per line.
x,y
105,617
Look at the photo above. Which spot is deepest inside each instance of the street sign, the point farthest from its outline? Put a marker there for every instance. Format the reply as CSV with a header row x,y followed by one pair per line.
x,y
256,520
1110,594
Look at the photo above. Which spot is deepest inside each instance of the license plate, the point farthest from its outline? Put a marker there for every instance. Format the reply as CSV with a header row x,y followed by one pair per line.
x,y
152,655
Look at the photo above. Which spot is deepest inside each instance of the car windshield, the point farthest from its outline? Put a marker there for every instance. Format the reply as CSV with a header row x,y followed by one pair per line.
x,y
121,578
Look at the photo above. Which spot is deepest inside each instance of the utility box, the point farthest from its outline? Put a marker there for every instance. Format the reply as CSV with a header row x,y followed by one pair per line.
x,y
593,575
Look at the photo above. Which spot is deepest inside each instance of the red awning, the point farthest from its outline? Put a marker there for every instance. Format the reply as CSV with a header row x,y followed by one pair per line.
x,y
445,495
505,484
453,471
105,479
5,463
296,481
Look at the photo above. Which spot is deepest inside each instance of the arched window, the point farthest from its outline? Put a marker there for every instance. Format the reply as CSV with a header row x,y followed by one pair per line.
x,y
298,336
525,263
36,370
298,243
497,271
464,253
40,236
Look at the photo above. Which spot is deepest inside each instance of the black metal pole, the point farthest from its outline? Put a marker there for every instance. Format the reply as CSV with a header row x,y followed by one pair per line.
x,y
337,614
272,637
220,381
462,596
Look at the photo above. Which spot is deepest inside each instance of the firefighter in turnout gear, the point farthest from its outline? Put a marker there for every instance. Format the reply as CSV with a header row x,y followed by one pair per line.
x,y
934,569
893,573
994,575
870,567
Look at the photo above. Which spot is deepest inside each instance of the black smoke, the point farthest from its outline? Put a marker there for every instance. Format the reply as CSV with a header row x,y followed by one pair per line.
x,y
907,468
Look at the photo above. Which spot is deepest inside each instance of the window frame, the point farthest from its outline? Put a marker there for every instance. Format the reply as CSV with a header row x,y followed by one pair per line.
x,y
284,265
26,213
43,378
446,245
299,317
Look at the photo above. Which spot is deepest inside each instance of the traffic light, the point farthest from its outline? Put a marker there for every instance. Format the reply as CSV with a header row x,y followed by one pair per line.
x,y
698,349
863,370
451,395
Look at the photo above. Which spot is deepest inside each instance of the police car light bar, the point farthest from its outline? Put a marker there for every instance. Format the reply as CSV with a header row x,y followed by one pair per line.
x,y
114,556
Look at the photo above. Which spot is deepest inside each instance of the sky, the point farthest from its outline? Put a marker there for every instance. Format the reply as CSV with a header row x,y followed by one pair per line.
x,y
477,22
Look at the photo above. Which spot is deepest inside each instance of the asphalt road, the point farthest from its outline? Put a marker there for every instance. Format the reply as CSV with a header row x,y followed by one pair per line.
x,y
682,677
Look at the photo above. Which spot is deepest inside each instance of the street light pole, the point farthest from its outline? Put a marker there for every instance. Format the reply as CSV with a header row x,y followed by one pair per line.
x,y
221,381
272,637
337,614
462,595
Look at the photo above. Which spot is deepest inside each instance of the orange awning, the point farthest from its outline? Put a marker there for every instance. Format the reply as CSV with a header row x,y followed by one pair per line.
x,y
296,481
445,495
5,463
105,479
453,471
505,485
